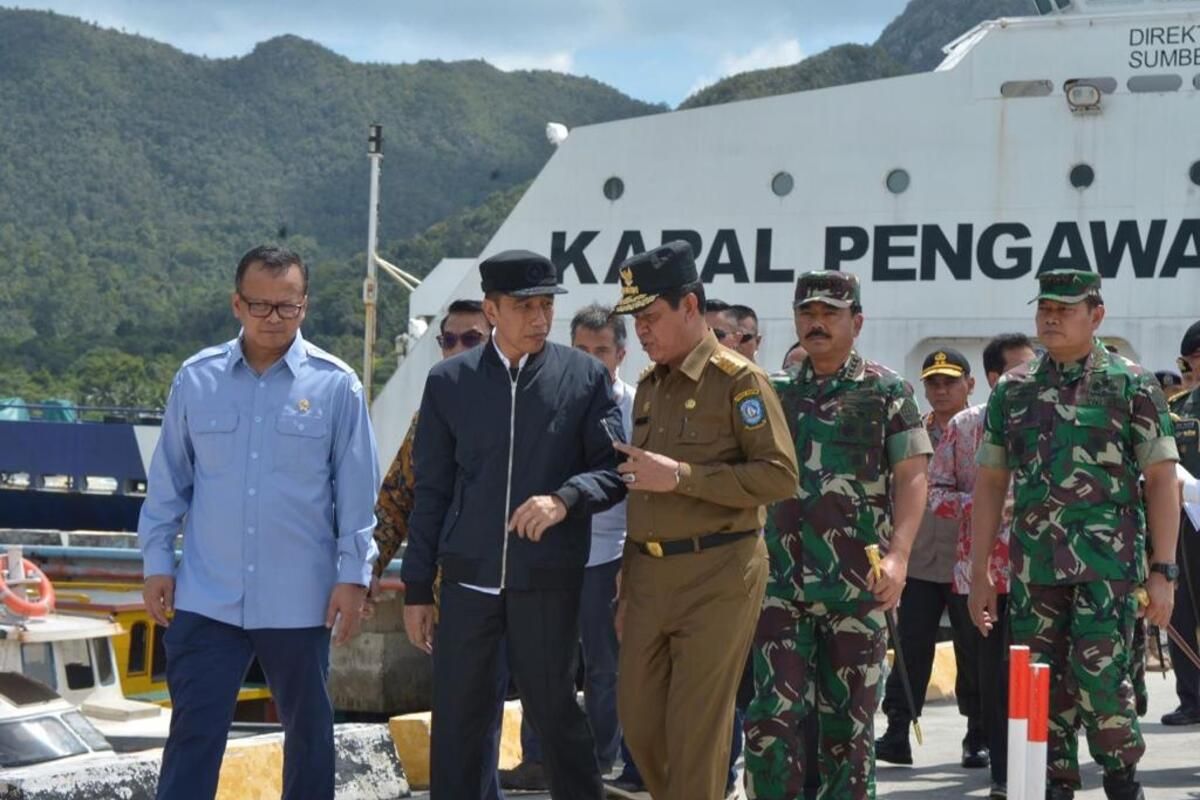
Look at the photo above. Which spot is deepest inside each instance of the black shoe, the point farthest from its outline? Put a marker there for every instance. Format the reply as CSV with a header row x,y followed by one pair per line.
x,y
528,776
1123,785
893,746
624,787
1059,791
1182,716
974,756
999,791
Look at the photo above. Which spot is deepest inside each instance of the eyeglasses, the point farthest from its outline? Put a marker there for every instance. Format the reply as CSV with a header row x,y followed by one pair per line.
x,y
1185,366
469,339
739,338
262,309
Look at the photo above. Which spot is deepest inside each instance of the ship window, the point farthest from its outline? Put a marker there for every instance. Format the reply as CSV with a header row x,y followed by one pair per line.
x,y
1026,88
1196,81
782,184
898,181
614,188
158,661
1082,176
1044,7
1194,172
77,664
37,663
137,649
1155,83
1105,85
102,653
1064,3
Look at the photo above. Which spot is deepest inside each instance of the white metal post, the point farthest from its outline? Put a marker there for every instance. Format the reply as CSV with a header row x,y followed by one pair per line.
x,y
370,285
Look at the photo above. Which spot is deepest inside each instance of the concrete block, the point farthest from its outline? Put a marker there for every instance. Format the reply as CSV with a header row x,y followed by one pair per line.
x,y
379,671
367,769
411,732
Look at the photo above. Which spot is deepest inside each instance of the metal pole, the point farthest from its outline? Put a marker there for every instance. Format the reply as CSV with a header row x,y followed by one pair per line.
x,y
370,285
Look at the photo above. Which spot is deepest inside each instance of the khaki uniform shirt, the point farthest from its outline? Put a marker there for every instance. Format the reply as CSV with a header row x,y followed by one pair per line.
x,y
719,417
935,549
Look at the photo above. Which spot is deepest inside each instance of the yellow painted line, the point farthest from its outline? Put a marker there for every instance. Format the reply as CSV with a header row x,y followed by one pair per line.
x,y
943,676
410,734
252,770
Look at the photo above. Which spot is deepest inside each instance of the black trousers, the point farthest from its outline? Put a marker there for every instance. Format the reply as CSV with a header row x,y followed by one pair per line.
x,y
1184,619
992,670
920,614
540,629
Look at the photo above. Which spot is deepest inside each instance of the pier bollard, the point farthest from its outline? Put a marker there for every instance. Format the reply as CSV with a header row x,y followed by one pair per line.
x,y
1039,728
1018,721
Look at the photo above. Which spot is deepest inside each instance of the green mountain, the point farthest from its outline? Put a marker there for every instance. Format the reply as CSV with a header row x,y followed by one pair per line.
x,y
133,175
847,63
913,42
916,37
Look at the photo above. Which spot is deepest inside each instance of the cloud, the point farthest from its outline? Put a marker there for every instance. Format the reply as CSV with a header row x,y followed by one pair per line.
x,y
772,54
560,61
649,48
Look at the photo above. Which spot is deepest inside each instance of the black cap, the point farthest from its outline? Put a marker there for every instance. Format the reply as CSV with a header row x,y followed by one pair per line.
x,y
519,273
1168,379
647,275
1191,340
946,361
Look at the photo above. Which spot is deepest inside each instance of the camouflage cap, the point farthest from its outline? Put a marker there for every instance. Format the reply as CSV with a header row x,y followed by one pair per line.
x,y
838,289
1191,340
1068,286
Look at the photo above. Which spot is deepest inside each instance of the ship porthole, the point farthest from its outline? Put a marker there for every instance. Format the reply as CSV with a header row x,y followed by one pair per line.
x,y
614,188
1082,176
898,181
1194,172
782,184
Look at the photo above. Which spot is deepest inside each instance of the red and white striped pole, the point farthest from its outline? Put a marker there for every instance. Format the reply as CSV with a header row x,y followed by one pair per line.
x,y
1039,729
1018,722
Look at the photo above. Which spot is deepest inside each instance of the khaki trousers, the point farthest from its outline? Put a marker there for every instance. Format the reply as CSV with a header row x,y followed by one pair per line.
x,y
689,622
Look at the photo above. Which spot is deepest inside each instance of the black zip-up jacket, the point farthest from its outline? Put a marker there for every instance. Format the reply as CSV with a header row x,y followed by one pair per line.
x,y
486,442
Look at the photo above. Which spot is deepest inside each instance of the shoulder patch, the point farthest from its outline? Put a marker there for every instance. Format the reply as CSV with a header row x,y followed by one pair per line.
x,y
316,352
750,408
207,353
728,361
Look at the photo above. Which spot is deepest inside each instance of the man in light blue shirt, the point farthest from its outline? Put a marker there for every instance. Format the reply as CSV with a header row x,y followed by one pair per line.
x,y
267,466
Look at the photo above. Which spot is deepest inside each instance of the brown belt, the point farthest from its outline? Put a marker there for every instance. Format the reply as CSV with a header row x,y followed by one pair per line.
x,y
695,544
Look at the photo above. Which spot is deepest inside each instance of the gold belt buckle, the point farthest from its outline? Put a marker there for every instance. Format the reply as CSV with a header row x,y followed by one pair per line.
x,y
654,549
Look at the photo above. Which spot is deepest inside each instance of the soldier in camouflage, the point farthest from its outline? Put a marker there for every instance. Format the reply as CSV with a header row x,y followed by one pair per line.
x,y
821,638
1075,428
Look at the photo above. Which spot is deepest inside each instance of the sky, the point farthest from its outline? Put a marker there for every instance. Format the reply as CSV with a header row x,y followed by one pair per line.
x,y
654,50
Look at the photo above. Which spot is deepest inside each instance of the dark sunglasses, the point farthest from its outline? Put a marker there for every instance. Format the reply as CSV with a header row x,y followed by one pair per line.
x,y
742,339
469,339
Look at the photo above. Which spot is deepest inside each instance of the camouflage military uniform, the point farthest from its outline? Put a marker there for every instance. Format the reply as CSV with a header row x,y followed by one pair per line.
x,y
1076,437
821,641
395,503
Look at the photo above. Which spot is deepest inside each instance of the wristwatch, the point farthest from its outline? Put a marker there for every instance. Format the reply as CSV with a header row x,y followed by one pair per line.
x,y
1168,571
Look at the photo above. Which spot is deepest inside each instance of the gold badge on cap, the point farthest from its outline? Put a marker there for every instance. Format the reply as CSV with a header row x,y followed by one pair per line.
x,y
304,406
690,404
940,359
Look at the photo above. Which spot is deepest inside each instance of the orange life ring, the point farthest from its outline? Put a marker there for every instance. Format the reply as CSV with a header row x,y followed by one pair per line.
x,y
18,603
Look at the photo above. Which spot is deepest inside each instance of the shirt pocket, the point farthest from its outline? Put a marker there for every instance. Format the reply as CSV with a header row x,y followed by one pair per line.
x,y
858,443
213,439
1099,431
301,443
